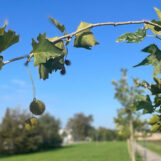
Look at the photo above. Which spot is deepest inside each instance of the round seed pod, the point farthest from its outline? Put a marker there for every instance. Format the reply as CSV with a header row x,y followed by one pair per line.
x,y
63,71
31,123
37,107
67,62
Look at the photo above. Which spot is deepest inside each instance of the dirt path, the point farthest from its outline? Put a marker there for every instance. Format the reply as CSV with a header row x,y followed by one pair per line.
x,y
150,156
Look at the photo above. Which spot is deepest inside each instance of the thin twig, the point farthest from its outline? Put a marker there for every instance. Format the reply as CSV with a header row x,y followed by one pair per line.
x,y
14,59
68,36
157,37
32,81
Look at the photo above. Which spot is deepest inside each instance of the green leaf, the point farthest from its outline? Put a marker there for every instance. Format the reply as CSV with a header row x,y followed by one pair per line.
x,y
153,59
84,39
48,56
154,29
59,44
49,66
7,39
158,81
43,71
45,50
57,24
156,88
157,101
158,13
154,119
155,127
133,37
2,29
1,61
144,102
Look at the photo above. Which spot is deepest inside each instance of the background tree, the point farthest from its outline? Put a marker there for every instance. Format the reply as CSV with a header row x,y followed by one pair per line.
x,y
127,96
49,128
14,138
80,125
139,125
104,134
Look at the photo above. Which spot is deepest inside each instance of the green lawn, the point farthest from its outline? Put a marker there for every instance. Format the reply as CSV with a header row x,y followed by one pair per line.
x,y
153,145
109,151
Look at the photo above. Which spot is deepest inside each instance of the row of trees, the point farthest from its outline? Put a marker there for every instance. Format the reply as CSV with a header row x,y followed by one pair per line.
x,y
14,138
82,128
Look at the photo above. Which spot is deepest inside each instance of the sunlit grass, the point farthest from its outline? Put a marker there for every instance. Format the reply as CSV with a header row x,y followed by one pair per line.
x,y
153,145
104,151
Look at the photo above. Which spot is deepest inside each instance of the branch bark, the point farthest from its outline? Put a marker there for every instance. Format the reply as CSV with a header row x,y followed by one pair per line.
x,y
68,36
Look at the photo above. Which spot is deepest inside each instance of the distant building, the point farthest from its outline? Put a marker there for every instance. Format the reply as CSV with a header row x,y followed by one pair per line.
x,y
67,136
154,136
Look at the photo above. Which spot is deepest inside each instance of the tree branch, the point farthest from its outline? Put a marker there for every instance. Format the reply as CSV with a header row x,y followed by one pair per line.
x,y
68,36
15,59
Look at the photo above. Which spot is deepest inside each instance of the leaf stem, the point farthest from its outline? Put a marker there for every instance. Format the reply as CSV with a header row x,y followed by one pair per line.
x,y
32,82
157,37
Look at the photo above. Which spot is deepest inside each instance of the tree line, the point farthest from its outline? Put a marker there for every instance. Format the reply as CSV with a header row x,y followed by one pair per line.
x,y
16,139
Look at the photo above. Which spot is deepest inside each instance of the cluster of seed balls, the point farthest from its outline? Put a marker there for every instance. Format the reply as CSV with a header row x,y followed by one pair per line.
x,y
37,107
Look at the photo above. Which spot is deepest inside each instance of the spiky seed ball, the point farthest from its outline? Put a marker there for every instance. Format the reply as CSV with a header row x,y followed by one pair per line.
x,y
37,107
63,71
31,123
67,62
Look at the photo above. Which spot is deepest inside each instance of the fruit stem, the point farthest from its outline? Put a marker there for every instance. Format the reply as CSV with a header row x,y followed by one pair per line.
x,y
32,82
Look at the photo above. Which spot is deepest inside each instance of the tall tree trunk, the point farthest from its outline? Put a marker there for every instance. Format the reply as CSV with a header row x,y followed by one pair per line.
x,y
132,141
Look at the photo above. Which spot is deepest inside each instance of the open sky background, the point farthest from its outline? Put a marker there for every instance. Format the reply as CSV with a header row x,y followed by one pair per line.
x,y
87,85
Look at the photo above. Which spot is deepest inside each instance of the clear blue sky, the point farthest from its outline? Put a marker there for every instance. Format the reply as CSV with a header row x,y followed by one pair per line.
x,y
87,85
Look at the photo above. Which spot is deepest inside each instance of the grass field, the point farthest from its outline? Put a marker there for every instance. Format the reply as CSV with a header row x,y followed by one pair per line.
x,y
153,145
109,151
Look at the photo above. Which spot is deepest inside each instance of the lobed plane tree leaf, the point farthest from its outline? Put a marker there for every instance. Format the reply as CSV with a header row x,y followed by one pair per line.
x,y
84,39
57,24
144,102
45,50
132,37
7,39
153,59
51,65
154,29
158,13
2,29
47,55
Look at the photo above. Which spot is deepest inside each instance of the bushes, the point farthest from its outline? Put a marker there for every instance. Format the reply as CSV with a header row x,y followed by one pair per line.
x,y
15,139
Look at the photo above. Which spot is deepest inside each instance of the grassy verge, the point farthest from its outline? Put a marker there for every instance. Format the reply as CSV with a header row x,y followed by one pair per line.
x,y
155,146
107,151
138,158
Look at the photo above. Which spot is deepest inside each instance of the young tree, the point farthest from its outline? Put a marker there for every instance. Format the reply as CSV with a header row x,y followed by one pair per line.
x,y
127,96
122,124
80,125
